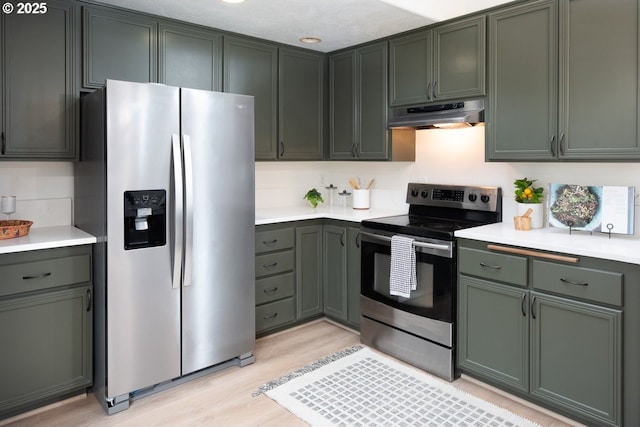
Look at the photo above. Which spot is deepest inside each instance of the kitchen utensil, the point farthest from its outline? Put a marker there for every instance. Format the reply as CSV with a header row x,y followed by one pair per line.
x,y
353,183
373,181
523,222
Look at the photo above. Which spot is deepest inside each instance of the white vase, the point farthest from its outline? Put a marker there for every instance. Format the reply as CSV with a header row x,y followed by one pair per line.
x,y
537,216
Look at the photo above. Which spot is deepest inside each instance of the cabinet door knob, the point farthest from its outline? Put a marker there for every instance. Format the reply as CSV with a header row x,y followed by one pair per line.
x,y
522,305
433,92
553,147
429,91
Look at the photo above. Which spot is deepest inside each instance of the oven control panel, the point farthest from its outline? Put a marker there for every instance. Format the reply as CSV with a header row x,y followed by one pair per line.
x,y
455,196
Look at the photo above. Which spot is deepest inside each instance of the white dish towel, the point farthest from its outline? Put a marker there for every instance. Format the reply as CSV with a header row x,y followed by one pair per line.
x,y
402,278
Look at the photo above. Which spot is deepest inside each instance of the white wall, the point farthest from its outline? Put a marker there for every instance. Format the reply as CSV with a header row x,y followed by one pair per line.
x,y
452,156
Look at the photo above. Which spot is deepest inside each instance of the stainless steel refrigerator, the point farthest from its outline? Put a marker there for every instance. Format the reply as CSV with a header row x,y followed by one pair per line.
x,y
165,180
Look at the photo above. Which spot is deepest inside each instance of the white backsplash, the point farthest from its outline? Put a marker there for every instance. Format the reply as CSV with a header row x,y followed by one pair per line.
x,y
44,190
452,156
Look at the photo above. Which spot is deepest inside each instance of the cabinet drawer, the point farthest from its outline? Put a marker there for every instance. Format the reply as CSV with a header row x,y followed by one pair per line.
x,y
490,265
274,288
274,240
275,314
280,262
586,283
37,275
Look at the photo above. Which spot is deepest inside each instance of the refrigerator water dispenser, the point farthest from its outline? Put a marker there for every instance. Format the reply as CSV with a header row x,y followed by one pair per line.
x,y
145,218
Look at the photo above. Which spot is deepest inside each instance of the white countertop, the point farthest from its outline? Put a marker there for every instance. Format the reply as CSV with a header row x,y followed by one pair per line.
x,y
301,213
46,238
620,247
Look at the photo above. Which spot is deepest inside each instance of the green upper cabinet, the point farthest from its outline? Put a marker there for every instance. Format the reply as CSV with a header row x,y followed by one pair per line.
x,y
251,68
459,59
189,57
560,90
39,79
446,62
342,109
599,88
410,63
358,103
522,110
301,104
118,45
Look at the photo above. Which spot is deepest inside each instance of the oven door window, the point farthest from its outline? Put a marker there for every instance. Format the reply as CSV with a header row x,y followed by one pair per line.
x,y
435,287
421,297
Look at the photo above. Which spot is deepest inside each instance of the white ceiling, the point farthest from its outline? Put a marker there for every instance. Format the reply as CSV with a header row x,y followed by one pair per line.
x,y
339,23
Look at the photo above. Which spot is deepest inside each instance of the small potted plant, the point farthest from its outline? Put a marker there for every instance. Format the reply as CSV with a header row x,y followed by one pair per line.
x,y
314,197
528,196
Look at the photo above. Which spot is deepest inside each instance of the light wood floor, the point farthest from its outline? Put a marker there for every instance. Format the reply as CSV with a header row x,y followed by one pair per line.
x,y
224,398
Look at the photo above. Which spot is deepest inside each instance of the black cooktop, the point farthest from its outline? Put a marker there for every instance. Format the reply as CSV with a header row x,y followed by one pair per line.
x,y
437,228
437,211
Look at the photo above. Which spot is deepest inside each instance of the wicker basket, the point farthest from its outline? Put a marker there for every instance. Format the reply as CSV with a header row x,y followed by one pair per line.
x,y
13,228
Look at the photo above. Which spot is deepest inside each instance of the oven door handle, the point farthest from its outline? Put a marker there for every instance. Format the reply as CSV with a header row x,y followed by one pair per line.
x,y
370,237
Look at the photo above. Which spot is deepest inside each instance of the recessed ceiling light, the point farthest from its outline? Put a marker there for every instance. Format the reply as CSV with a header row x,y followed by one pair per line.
x,y
234,1
310,40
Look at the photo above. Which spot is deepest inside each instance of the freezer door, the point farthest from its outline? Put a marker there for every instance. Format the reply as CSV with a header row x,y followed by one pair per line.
x,y
143,309
218,309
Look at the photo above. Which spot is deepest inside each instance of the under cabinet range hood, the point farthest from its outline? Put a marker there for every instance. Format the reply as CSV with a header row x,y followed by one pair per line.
x,y
451,114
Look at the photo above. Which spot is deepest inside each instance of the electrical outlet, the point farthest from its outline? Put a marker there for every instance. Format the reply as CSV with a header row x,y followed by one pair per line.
x,y
637,197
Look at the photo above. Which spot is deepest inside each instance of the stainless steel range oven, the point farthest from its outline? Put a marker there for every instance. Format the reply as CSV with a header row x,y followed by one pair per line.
x,y
419,328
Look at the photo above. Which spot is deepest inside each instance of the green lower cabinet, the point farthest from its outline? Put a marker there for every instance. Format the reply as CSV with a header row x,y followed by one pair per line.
x,y
576,357
46,349
564,353
335,272
353,277
309,271
493,333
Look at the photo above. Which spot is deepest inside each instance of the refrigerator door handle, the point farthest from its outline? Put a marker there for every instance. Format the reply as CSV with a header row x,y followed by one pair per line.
x,y
188,209
179,209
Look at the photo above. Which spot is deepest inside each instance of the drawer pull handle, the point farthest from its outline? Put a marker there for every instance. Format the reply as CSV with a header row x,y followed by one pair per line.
x,y
269,242
570,282
270,291
527,252
89,301
270,265
522,305
36,276
494,267
270,316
